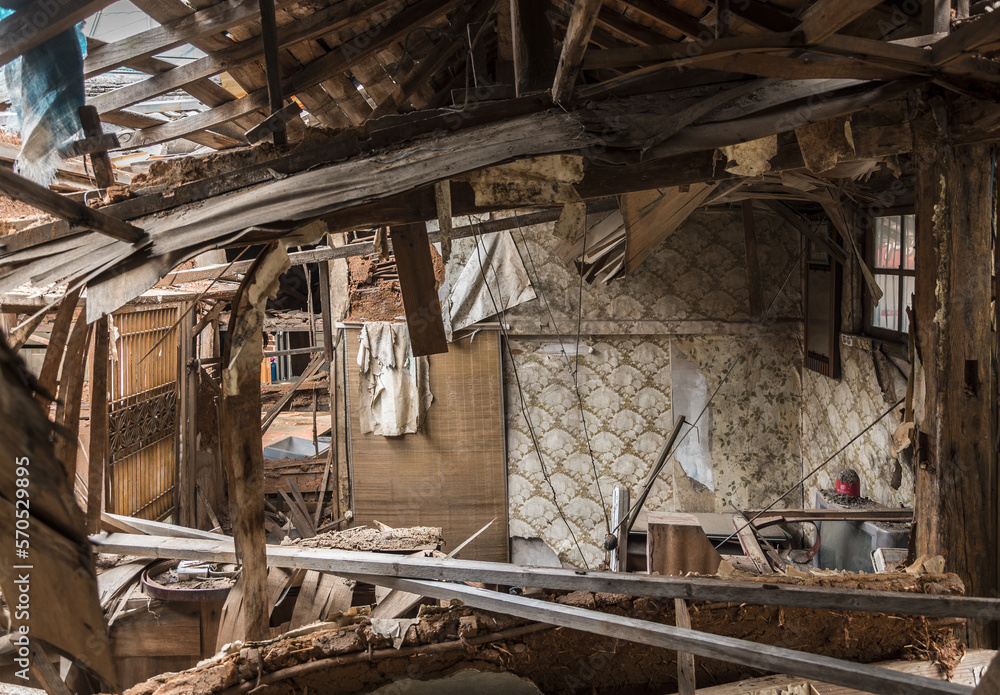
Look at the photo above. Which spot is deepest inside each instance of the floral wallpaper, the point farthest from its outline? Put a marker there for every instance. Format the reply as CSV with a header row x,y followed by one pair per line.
x,y
833,412
625,389
639,332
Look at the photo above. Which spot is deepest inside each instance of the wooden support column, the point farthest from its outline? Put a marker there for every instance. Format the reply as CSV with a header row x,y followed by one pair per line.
x,y
187,418
98,455
242,449
956,496
534,58
104,173
269,35
581,24
412,249
936,16
49,373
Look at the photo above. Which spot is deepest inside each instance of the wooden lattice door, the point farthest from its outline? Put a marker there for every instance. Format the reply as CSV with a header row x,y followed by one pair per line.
x,y
142,414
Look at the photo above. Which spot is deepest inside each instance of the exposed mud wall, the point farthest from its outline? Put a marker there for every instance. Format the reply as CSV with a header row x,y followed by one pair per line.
x,y
683,316
556,660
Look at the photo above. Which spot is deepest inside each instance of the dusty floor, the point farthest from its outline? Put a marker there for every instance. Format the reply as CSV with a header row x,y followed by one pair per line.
x,y
352,659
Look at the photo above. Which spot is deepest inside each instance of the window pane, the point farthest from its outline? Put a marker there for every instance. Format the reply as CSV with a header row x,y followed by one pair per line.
x,y
907,300
909,241
887,242
886,312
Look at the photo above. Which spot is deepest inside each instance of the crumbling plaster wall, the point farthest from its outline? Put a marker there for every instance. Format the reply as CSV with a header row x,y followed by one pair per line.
x,y
687,305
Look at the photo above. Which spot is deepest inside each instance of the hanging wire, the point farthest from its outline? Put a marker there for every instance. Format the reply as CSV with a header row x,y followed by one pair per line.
x,y
569,365
810,474
501,312
746,346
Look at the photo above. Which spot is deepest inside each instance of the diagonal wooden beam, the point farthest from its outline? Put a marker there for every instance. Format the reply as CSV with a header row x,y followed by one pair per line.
x,y
336,61
827,17
672,16
438,57
148,43
336,17
581,24
412,250
20,188
967,39
36,22
313,367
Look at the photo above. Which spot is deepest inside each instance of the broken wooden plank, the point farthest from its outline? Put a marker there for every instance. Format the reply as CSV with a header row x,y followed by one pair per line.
x,y
104,172
49,373
686,684
581,24
417,285
692,588
676,544
752,654
652,216
77,214
750,544
313,367
299,518
534,62
826,17
71,394
159,528
321,595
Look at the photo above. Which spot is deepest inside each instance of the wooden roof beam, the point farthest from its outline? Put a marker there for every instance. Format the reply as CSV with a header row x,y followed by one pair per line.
x,y
826,17
36,22
170,35
338,16
672,16
20,188
338,60
581,24
967,39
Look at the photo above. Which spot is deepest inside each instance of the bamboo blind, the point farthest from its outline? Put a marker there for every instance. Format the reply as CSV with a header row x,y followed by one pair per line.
x,y
452,473
142,475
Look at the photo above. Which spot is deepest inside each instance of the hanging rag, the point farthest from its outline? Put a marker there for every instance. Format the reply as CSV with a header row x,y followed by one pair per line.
x,y
394,390
45,86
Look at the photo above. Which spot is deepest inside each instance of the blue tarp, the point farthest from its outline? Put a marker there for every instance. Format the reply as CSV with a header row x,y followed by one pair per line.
x,y
46,90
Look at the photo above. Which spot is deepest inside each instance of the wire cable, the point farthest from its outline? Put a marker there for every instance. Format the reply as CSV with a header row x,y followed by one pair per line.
x,y
517,379
569,366
813,472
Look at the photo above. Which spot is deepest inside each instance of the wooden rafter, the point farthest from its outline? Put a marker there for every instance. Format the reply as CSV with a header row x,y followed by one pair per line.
x,y
581,24
827,17
338,60
668,14
170,35
22,31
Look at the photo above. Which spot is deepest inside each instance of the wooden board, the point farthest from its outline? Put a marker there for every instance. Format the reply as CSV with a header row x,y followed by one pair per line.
x,y
676,544
450,474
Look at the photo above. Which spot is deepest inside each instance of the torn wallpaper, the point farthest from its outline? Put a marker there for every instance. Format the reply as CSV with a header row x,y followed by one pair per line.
x,y
467,300
394,390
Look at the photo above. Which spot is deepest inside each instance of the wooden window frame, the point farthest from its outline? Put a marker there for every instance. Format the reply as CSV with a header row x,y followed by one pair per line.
x,y
885,334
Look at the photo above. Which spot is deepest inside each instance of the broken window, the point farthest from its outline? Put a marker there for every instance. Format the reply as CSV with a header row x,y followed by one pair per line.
x,y
891,256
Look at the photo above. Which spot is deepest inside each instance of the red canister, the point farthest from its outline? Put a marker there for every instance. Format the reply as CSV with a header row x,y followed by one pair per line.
x,y
849,482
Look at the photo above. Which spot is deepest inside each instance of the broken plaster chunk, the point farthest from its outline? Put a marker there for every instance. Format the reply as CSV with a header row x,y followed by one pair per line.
x,y
393,629
751,158
826,143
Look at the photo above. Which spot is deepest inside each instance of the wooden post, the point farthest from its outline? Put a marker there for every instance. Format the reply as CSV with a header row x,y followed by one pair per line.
x,y
269,35
412,250
534,58
956,495
242,449
936,16
49,373
98,424
187,418
685,662
103,171
581,24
